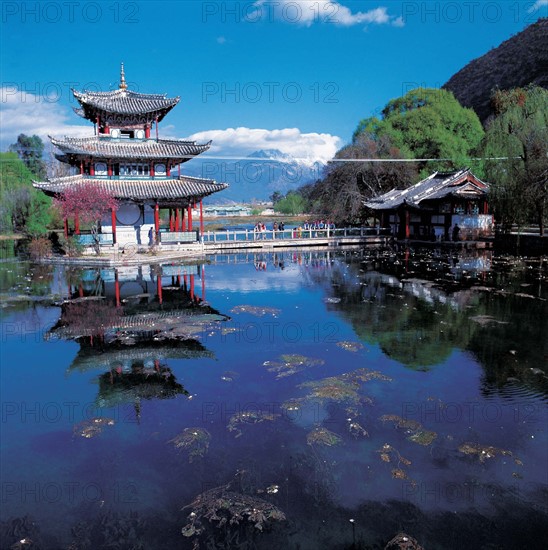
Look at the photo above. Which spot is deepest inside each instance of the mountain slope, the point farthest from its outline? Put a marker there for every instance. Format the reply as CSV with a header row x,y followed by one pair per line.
x,y
521,60
255,177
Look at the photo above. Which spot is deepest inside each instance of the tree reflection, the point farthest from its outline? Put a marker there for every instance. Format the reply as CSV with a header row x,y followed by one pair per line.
x,y
420,305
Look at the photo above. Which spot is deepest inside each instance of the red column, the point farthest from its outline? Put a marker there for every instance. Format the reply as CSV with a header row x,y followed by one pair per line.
x,y
203,283
107,128
157,218
176,219
192,287
190,217
168,169
77,224
159,288
147,131
407,230
152,169
183,221
113,217
109,169
65,224
91,169
201,219
116,288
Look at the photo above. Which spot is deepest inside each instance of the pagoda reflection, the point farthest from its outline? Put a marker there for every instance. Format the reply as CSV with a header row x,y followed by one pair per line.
x,y
130,321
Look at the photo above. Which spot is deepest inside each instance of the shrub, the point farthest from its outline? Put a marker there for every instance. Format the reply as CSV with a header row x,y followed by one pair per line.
x,y
40,247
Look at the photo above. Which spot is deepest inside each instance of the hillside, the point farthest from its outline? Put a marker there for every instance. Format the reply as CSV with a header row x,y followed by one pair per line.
x,y
256,177
521,60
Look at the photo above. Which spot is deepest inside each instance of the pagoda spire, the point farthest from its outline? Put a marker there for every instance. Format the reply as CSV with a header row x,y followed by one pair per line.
x,y
123,85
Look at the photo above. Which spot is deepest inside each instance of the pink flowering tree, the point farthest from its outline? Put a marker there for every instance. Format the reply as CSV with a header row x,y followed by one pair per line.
x,y
86,203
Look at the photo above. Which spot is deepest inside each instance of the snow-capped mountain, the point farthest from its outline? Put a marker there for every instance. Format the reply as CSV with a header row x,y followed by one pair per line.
x,y
257,176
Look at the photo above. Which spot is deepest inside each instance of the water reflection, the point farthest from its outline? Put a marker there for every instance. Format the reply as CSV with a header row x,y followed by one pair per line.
x,y
420,306
129,322
402,389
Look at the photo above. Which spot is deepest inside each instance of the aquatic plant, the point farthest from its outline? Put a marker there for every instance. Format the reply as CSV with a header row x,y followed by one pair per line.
x,y
390,455
343,388
483,452
229,376
402,541
322,436
248,417
225,515
356,429
110,531
291,364
194,441
350,346
416,432
20,533
256,310
92,427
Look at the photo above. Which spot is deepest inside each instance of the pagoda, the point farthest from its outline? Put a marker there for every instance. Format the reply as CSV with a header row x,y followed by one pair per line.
x,y
135,167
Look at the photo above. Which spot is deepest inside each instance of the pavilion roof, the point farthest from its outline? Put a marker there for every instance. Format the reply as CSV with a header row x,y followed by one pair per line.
x,y
123,102
106,147
461,183
167,191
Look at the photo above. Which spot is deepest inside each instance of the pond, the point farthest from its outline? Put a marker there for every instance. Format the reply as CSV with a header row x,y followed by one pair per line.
x,y
300,399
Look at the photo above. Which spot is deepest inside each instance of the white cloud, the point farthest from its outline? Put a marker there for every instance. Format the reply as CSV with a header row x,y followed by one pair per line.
x,y
307,12
24,113
537,5
221,40
240,142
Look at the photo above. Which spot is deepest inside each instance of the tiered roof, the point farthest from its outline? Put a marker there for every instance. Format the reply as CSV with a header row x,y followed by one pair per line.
x,y
166,191
106,147
461,183
123,102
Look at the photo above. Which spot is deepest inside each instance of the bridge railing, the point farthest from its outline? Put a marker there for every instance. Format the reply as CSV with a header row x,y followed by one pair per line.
x,y
291,234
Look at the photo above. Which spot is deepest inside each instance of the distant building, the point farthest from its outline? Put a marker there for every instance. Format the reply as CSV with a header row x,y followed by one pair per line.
x,y
430,209
227,210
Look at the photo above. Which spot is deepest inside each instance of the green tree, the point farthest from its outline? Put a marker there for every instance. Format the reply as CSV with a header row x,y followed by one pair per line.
x,y
292,204
427,123
30,150
22,208
424,123
519,185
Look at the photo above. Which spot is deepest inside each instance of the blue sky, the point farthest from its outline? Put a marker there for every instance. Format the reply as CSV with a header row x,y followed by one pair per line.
x,y
294,75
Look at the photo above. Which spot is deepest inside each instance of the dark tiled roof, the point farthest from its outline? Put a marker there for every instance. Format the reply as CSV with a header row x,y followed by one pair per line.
x,y
123,102
436,186
105,147
164,190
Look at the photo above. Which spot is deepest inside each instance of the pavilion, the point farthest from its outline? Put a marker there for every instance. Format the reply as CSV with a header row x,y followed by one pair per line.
x,y
430,208
135,167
